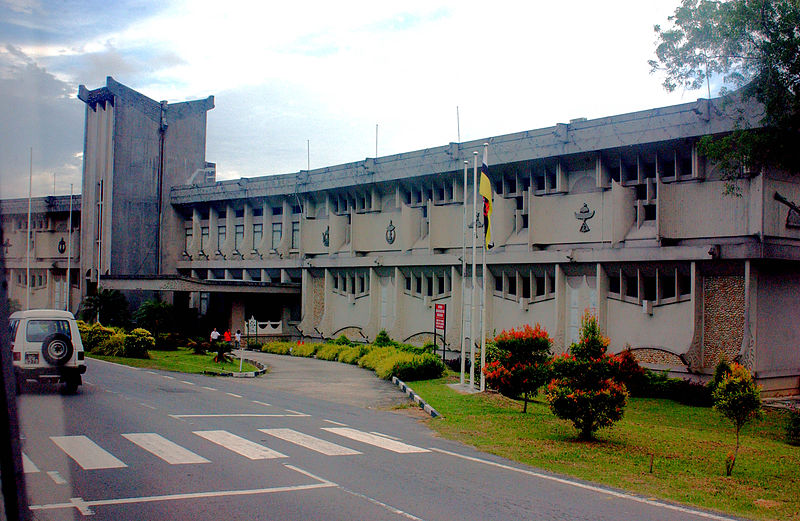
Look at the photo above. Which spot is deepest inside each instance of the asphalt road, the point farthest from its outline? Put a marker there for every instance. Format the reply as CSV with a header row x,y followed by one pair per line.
x,y
140,444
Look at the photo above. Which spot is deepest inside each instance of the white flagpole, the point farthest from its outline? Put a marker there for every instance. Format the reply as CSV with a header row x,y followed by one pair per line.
x,y
69,247
472,313
483,295
464,334
99,247
28,252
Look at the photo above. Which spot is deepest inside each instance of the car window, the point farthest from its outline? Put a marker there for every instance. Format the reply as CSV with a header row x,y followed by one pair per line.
x,y
12,329
38,330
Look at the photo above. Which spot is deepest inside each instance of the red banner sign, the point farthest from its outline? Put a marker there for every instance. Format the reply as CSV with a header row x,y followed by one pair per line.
x,y
439,316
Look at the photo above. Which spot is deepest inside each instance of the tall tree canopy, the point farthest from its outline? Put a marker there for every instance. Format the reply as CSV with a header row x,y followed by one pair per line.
x,y
754,46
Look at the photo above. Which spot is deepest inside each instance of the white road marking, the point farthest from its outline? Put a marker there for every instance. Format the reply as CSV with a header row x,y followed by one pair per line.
x,y
262,403
168,451
383,505
146,405
238,415
152,372
209,388
168,377
336,423
234,395
310,442
377,441
187,382
239,445
593,488
86,453
85,507
28,466
382,435
56,477
296,413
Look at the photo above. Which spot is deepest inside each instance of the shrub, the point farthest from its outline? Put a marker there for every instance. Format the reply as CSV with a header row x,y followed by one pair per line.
x,y
521,365
793,427
222,349
383,340
306,350
199,347
371,359
420,367
113,345
170,341
631,373
585,390
352,354
92,336
722,371
277,348
330,351
137,343
689,392
343,341
738,398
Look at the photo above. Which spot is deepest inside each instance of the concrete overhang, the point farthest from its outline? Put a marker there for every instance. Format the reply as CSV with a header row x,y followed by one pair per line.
x,y
176,283
686,121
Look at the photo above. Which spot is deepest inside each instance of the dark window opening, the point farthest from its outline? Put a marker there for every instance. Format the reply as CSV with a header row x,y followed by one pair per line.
x,y
667,285
540,286
649,288
684,285
429,286
649,212
631,287
526,286
613,284
498,283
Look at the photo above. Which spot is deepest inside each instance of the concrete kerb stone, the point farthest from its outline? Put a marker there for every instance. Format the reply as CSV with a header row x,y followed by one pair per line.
x,y
250,374
417,399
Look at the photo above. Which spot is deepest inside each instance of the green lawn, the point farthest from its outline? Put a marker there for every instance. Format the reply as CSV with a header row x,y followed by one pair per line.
x,y
689,445
182,360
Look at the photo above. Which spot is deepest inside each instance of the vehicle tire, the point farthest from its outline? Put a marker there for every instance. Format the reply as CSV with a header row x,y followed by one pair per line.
x,y
71,384
57,349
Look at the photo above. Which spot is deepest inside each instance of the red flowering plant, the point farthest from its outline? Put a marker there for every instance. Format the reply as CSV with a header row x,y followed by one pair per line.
x,y
520,366
585,388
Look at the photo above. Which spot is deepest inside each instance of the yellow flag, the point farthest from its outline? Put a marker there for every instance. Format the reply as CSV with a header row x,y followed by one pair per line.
x,y
485,190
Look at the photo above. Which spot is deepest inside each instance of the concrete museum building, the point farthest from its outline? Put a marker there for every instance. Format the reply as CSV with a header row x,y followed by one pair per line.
x,y
618,215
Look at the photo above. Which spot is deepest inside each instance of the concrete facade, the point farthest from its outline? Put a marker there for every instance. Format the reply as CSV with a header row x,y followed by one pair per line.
x,y
53,250
618,215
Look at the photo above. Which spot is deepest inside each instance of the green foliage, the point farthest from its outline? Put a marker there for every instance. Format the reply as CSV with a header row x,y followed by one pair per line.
x,y
170,341
138,343
199,346
93,335
754,45
390,361
222,349
373,357
157,317
520,365
112,345
383,340
351,354
304,349
738,398
631,374
721,372
343,341
793,427
330,351
277,348
110,304
585,389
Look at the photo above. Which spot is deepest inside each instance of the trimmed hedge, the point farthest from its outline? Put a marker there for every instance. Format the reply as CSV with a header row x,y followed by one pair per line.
x,y
405,362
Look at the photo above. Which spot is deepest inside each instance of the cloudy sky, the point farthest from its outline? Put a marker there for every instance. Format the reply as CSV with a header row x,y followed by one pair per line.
x,y
284,73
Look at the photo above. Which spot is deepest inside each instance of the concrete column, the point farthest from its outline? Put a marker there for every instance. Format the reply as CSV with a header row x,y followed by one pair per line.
x,y
230,229
213,236
602,298
247,241
196,225
561,310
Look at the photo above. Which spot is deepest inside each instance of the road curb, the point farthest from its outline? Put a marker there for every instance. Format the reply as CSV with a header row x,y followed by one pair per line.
x,y
250,374
417,399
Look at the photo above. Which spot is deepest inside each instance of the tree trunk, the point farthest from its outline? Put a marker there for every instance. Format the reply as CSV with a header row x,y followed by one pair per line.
x,y
525,402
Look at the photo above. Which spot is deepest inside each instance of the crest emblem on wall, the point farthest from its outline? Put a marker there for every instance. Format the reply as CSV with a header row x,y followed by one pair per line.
x,y
390,233
584,214
62,246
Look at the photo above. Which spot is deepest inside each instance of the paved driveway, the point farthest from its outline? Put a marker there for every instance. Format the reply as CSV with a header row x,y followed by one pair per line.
x,y
330,381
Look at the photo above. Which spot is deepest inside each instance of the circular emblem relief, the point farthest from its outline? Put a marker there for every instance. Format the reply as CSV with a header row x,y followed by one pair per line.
x,y
62,246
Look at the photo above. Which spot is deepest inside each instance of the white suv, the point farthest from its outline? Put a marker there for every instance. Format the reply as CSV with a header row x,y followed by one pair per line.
x,y
46,346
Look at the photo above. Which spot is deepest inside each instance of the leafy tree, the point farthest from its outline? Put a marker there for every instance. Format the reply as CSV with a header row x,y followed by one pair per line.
x,y
155,316
585,389
754,45
520,367
111,305
738,398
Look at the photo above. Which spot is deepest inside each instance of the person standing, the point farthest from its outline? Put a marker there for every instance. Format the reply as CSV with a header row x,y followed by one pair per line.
x,y
214,335
227,336
238,338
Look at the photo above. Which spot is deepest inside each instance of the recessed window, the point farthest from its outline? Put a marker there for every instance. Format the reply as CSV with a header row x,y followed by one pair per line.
x,y
667,285
540,286
684,284
613,284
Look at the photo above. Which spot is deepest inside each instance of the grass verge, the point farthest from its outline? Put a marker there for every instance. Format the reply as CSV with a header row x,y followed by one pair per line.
x,y
688,444
182,361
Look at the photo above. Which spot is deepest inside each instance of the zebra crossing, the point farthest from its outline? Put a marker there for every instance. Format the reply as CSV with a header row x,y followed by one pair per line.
x,y
89,455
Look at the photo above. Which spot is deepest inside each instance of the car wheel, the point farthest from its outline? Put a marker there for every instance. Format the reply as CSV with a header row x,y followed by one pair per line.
x,y
57,349
71,385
